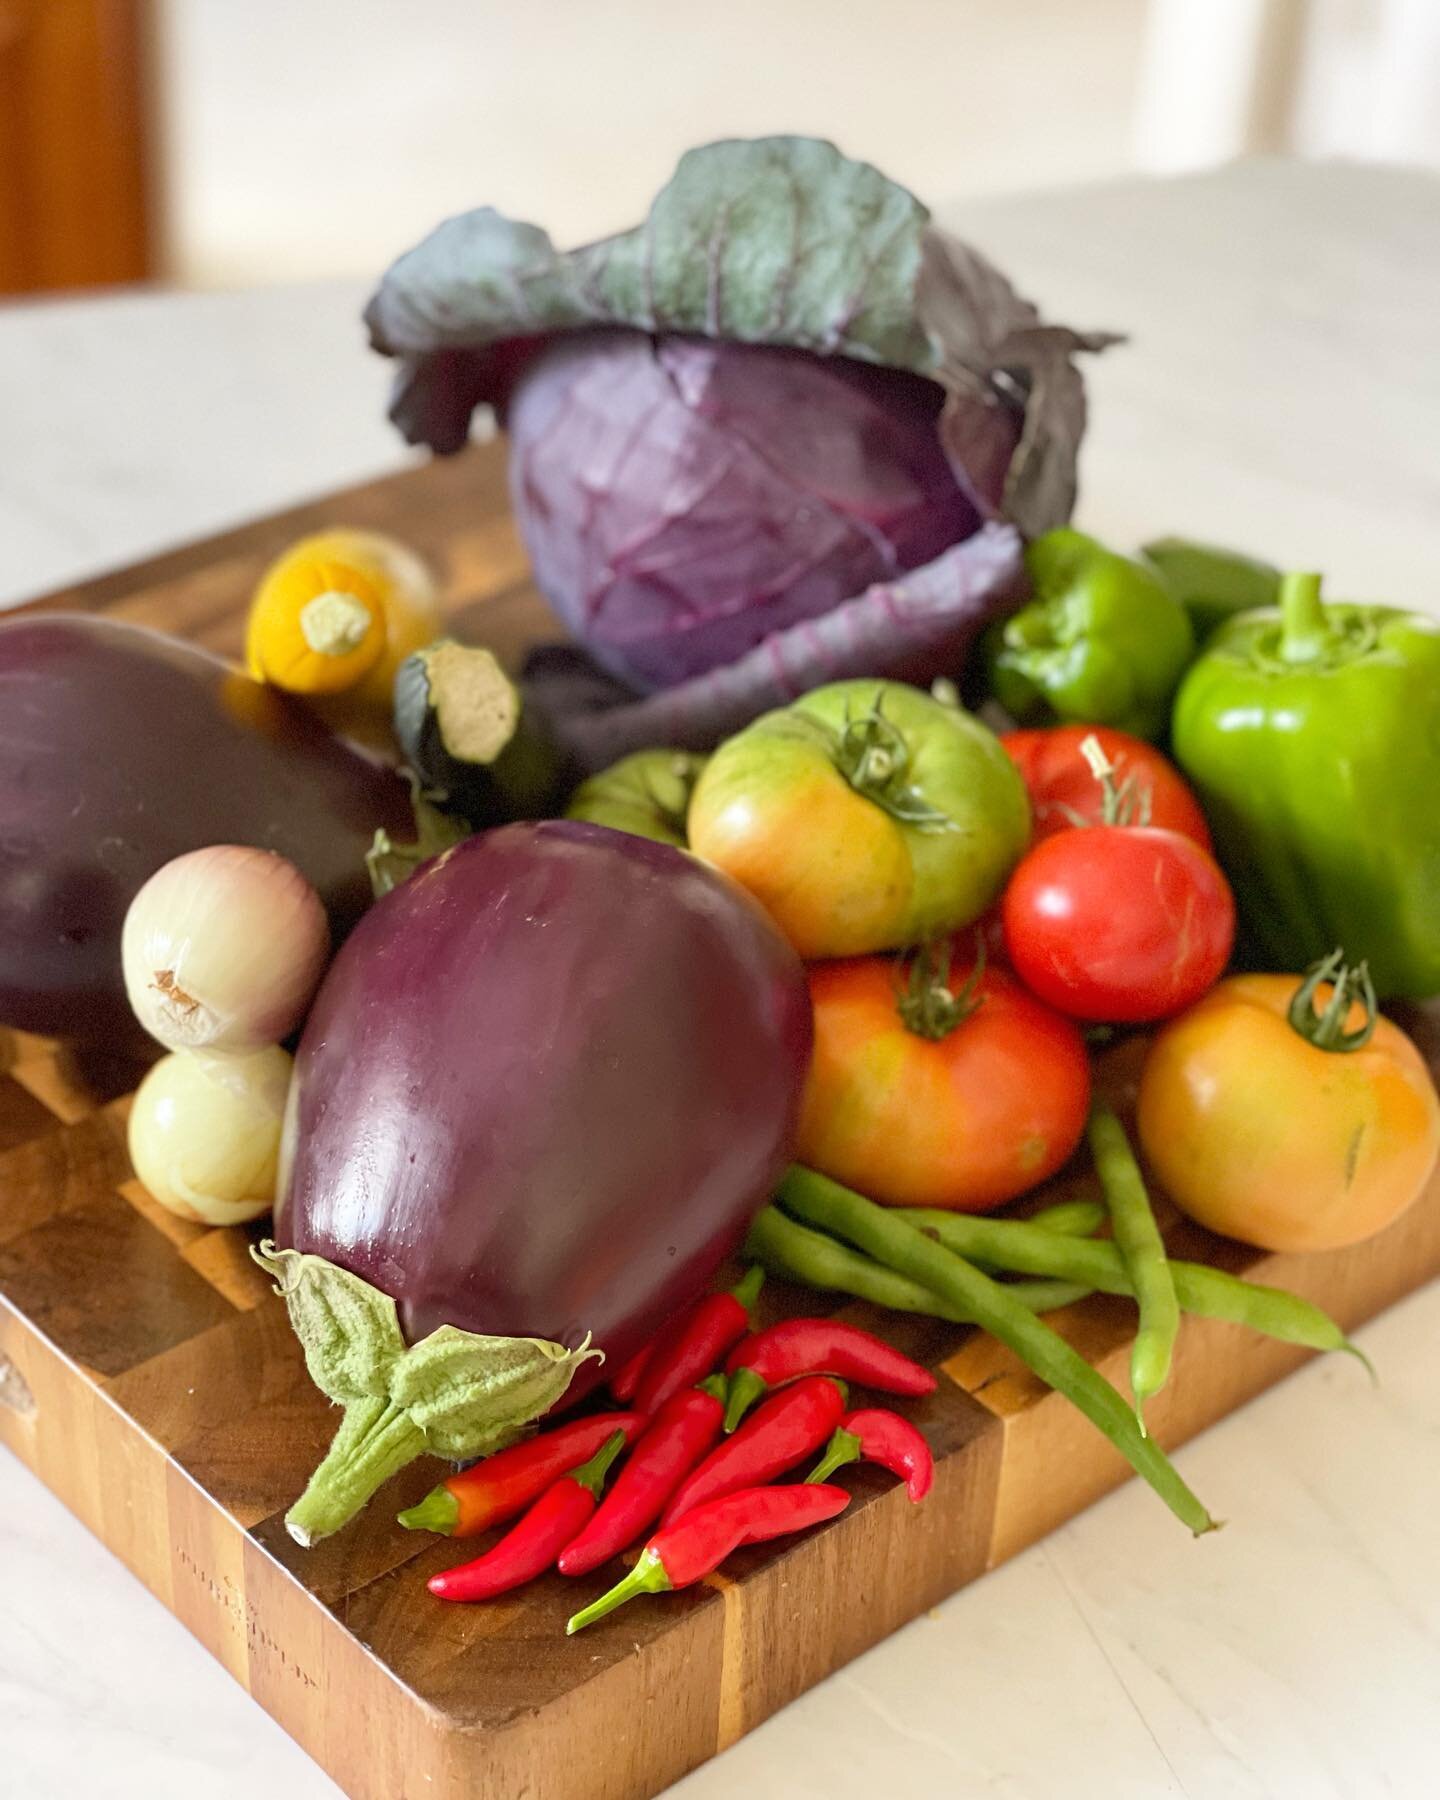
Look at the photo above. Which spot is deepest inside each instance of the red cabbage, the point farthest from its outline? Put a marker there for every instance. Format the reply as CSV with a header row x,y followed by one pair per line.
x,y
683,499
724,469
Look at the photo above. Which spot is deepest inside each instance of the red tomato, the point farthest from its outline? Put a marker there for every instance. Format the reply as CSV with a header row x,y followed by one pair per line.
x,y
1063,789
965,1117
1117,924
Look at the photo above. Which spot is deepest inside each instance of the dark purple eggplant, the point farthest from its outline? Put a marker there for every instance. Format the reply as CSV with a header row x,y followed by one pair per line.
x,y
540,1094
121,748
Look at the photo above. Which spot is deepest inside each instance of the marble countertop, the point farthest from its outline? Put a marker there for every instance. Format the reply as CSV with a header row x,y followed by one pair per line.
x,y
1282,391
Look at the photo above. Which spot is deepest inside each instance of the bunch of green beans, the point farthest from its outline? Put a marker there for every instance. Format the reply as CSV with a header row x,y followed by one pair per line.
x,y
941,1264
796,1253
896,1244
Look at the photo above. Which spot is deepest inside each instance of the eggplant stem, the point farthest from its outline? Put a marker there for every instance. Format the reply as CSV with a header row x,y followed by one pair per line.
x,y
376,1440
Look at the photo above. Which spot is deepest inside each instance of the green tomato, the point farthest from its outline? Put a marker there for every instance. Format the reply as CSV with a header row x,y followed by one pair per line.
x,y
647,794
866,816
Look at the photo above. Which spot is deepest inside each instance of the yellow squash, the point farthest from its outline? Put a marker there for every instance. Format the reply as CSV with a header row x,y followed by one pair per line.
x,y
336,616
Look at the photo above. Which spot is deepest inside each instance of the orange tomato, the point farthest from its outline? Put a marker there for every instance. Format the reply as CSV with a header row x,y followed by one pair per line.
x,y
966,1117
1262,1135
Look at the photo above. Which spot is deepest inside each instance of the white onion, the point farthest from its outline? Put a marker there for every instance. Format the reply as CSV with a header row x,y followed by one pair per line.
x,y
223,948
205,1133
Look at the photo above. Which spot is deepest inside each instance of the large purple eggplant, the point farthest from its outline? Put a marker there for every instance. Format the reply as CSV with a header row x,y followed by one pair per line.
x,y
121,748
540,1094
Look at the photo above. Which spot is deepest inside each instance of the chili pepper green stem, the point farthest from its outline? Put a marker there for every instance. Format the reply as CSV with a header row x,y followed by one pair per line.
x,y
747,1289
892,1241
714,1385
1210,1293
376,1440
438,1511
647,1577
591,1475
844,1447
744,1390
796,1253
1304,634
1143,1251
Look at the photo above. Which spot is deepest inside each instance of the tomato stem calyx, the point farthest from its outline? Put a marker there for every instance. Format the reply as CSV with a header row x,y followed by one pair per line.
x,y
874,757
1124,802
926,1004
1324,1027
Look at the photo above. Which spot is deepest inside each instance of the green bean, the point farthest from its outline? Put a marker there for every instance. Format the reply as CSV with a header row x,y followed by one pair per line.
x,y
796,1253
1070,1218
887,1237
1014,1244
1132,1219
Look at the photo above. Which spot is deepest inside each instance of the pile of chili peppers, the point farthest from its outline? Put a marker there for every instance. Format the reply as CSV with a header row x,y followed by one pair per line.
x,y
693,1467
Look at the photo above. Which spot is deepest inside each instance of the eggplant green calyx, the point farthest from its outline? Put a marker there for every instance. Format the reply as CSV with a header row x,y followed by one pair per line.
x,y
1324,1027
456,1394
389,863
874,757
926,1003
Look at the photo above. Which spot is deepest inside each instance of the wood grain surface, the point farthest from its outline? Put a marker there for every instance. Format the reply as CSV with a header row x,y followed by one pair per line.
x,y
149,1377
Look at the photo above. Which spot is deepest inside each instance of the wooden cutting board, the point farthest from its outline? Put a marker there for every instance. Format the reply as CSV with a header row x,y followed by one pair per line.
x,y
149,1377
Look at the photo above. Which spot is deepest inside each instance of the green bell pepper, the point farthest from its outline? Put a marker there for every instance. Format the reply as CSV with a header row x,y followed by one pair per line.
x,y
1312,734
1104,641
1210,583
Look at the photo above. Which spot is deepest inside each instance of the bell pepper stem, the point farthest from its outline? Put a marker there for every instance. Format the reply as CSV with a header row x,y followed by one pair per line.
x,y
1304,633
745,1389
439,1511
376,1440
647,1577
844,1447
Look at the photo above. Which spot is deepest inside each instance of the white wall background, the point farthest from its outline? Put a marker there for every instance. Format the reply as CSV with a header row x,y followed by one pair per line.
x,y
322,137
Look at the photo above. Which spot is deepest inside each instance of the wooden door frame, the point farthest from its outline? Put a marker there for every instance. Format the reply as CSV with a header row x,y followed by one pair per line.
x,y
78,144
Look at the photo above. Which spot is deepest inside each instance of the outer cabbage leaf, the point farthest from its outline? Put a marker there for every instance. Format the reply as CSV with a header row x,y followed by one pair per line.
x,y
911,629
779,241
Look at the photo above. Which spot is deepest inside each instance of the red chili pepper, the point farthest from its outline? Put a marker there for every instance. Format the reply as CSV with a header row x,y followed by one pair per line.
x,y
872,1434
504,1484
817,1347
528,1549
790,1426
626,1381
694,1346
681,1554
684,1429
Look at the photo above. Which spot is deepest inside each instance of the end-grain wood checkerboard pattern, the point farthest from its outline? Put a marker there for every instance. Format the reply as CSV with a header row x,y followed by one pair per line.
x,y
148,1376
